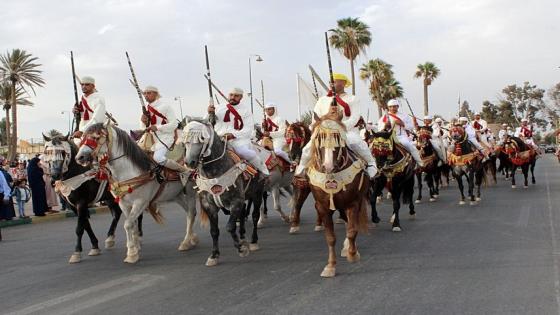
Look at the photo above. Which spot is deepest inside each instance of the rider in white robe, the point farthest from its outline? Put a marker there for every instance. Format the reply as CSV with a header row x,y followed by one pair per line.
x,y
275,128
91,107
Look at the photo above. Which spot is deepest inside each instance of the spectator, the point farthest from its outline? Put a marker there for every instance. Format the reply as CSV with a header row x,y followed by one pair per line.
x,y
52,197
37,185
20,172
23,195
6,212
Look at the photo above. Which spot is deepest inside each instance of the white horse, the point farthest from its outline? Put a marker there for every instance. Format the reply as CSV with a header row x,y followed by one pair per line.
x,y
133,183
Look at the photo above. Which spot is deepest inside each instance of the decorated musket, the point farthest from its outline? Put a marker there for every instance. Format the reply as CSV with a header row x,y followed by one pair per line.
x,y
331,76
134,82
77,116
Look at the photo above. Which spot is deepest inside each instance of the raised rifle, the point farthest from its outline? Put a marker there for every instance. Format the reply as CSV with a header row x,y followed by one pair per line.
x,y
134,82
217,90
315,75
77,115
331,76
212,115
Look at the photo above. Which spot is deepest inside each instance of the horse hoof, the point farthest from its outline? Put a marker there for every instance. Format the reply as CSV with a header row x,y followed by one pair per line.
x,y
397,229
75,258
472,203
244,250
286,219
261,222
94,252
353,259
513,186
389,195
339,221
211,262
462,202
344,252
432,199
188,244
110,242
254,247
413,216
478,199
328,272
417,201
378,200
525,187
319,228
131,259
436,196
294,230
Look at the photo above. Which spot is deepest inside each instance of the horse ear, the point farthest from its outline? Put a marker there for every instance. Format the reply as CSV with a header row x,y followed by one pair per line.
x,y
47,139
107,123
65,138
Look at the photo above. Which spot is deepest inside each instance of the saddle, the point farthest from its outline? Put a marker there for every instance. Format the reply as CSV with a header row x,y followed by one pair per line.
x,y
277,161
250,172
523,157
386,147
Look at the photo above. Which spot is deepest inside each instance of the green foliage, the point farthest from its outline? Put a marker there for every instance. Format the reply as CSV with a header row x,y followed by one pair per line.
x,y
466,111
489,112
307,118
382,84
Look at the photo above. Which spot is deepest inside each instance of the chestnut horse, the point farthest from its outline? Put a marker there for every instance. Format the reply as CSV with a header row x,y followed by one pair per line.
x,y
431,169
521,155
337,181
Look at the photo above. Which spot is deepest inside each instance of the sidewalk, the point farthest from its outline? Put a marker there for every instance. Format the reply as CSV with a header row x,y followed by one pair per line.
x,y
48,217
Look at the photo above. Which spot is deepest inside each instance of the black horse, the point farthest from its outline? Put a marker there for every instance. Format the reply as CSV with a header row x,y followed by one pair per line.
x,y
60,153
521,155
465,160
431,168
396,172
505,163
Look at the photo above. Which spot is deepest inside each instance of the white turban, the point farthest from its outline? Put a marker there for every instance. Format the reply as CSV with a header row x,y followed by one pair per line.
x,y
270,105
463,119
428,117
524,120
477,114
87,80
151,88
438,120
504,125
236,91
393,102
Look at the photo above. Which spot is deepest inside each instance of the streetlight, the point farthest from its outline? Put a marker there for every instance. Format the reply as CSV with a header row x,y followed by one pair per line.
x,y
180,99
259,59
69,119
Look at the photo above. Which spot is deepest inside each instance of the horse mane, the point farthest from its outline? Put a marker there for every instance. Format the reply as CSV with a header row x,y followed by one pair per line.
x,y
138,157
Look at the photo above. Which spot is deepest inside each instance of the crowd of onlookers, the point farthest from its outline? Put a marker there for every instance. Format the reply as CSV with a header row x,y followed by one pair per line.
x,y
24,181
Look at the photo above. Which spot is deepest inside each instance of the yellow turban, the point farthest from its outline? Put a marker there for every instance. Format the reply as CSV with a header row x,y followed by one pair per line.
x,y
340,76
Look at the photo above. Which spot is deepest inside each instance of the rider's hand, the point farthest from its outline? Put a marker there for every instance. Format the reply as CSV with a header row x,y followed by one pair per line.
x,y
152,128
78,134
75,110
229,136
211,109
144,119
399,122
266,134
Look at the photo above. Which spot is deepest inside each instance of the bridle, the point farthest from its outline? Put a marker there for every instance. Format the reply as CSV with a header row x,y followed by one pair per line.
x,y
207,144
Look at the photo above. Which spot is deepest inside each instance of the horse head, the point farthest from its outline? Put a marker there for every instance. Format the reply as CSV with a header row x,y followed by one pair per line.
x,y
457,133
329,152
94,144
297,135
57,153
424,137
198,137
512,145
382,146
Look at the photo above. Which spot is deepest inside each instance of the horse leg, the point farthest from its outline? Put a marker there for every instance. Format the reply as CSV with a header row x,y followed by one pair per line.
x,y
377,188
525,169
277,205
350,250
140,230
396,207
513,170
254,245
265,206
479,175
80,227
419,180
435,177
116,213
237,211
471,186
131,228
533,171
430,181
188,203
330,269
94,242
212,213
298,198
459,180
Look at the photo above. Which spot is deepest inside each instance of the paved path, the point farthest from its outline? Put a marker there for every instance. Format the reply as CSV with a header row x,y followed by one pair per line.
x,y
500,257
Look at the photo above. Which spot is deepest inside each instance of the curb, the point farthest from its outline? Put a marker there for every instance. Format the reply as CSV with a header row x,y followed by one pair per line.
x,y
50,217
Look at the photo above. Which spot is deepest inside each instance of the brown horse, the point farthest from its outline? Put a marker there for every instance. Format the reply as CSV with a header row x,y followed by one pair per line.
x,y
337,181
520,155
297,136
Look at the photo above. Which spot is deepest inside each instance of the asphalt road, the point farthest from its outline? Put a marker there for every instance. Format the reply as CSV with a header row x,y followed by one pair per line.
x,y
499,257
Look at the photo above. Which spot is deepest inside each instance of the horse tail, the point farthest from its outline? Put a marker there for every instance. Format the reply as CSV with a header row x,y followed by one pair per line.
x,y
156,214
363,221
204,219
408,191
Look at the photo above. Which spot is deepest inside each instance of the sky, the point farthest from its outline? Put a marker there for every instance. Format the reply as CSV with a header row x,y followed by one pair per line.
x,y
480,47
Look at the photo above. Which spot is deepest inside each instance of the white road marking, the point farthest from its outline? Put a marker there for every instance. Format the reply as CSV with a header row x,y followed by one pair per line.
x,y
554,245
132,283
523,220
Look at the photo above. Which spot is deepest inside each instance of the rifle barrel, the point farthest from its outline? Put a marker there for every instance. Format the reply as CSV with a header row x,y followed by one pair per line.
x,y
77,116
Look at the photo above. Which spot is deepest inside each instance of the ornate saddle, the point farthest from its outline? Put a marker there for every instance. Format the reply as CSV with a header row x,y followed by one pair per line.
x,y
386,147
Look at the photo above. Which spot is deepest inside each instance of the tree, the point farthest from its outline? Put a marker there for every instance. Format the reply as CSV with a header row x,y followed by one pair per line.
x,y
428,72
6,101
527,102
307,118
20,69
350,38
489,112
3,129
465,110
382,84
505,114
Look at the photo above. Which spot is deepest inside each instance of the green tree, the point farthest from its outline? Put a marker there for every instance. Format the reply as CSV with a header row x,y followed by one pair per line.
x,y
21,70
505,114
351,37
489,112
465,110
382,84
6,101
307,118
527,102
428,72
3,129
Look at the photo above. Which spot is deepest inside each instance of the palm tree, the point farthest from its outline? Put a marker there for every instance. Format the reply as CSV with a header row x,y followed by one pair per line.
x,y
429,72
351,37
382,84
19,69
6,101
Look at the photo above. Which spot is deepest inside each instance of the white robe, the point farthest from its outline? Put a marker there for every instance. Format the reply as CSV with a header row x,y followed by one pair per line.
x,y
165,132
97,103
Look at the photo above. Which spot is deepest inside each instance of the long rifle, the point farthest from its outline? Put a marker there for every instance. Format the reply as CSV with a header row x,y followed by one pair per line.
x,y
331,77
316,76
134,82
217,89
264,110
212,115
77,115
